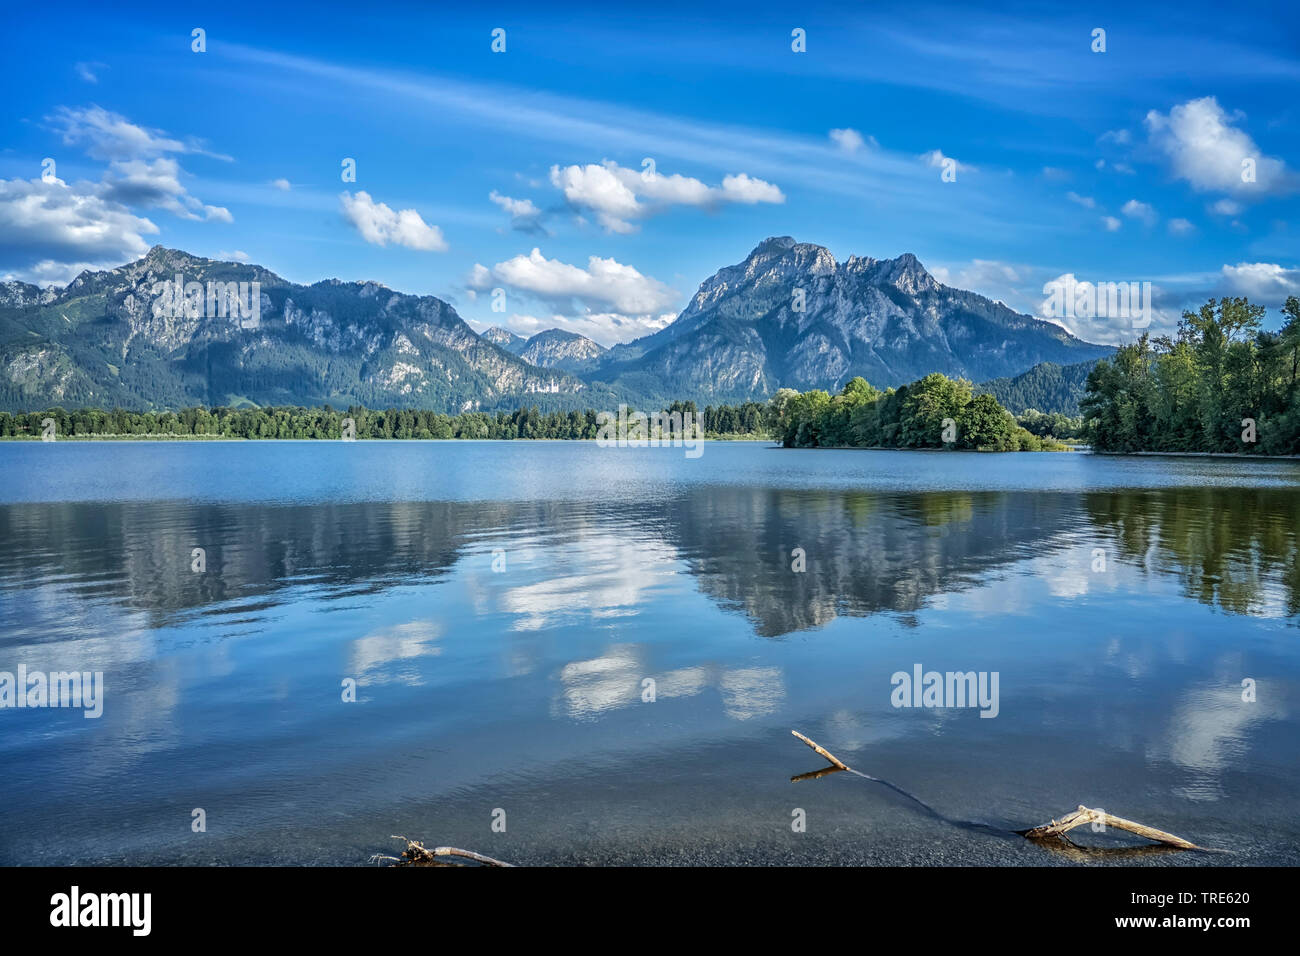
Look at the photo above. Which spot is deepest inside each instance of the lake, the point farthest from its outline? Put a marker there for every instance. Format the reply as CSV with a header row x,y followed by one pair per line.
x,y
603,651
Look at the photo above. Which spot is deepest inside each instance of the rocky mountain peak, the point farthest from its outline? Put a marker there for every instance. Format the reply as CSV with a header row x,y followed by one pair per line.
x,y
559,348
160,258
773,245
789,314
504,338
907,274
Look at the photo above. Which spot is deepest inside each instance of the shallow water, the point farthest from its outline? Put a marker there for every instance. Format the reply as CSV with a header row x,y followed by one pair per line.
x,y
523,689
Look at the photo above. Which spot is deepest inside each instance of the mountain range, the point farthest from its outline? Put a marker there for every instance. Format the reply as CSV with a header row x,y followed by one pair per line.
x,y
553,348
788,315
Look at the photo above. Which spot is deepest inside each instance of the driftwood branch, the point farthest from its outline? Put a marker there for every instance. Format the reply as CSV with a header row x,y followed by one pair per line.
x,y
834,761
417,853
1052,832
1085,815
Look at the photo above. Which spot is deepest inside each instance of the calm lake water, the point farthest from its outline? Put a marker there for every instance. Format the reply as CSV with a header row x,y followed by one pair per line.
x,y
522,689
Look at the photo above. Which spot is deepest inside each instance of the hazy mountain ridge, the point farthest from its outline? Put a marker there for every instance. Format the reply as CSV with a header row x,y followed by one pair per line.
x,y
552,348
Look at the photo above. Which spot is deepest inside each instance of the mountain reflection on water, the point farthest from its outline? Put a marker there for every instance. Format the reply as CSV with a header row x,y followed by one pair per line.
x,y
614,649
866,553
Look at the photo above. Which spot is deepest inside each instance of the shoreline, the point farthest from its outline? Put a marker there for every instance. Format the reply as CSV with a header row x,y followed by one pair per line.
x,y
1194,454
236,438
1081,449
775,445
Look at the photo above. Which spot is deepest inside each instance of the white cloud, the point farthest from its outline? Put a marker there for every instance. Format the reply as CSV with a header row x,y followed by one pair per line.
x,y
936,159
1024,287
618,195
107,135
516,207
1181,227
1225,207
1096,322
850,140
598,189
604,283
89,72
281,184
47,272
236,255
1205,149
606,328
1087,202
1141,211
1111,223
1123,168
51,231
985,276
156,184
1266,281
525,215
743,188
379,225
141,172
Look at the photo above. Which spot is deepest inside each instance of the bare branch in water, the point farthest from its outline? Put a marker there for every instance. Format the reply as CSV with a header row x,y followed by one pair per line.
x,y
1084,815
417,853
1051,832
830,757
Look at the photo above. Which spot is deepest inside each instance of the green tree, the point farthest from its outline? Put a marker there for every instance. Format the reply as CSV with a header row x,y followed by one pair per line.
x,y
986,425
928,402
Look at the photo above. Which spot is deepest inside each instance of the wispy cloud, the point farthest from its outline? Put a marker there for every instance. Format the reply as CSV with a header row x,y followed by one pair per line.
x,y
604,127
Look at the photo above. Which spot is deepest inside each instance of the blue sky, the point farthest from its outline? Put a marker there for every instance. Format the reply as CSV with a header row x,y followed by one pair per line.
x,y
523,170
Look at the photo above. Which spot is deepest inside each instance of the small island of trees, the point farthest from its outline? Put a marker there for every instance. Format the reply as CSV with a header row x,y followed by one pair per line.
x,y
935,412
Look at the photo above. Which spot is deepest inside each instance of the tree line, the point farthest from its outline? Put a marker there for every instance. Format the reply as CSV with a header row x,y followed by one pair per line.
x,y
1220,384
934,412
748,420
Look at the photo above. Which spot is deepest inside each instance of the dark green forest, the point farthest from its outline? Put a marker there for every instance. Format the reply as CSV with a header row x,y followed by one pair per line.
x,y
742,421
1047,387
912,416
1220,384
